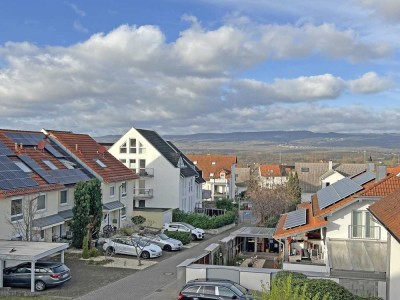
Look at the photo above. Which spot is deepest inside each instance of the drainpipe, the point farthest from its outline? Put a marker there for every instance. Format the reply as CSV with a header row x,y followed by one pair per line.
x,y
283,250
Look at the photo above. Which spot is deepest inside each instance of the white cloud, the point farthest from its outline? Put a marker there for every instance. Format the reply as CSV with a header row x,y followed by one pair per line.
x,y
370,83
79,27
388,9
77,10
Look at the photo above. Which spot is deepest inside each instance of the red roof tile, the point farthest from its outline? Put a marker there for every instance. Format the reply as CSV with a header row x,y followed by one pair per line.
x,y
213,163
86,149
270,170
387,211
395,170
384,187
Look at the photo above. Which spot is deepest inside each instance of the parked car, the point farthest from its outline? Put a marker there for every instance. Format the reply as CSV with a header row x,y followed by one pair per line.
x,y
132,246
47,274
165,242
214,289
197,233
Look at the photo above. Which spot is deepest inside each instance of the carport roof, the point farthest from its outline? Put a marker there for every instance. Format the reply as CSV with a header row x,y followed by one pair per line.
x,y
254,232
28,251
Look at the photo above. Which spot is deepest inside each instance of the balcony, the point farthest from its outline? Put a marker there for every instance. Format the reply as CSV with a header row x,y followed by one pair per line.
x,y
142,193
145,172
364,232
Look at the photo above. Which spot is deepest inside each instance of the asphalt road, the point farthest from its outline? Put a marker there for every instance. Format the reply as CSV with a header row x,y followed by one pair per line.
x,y
156,282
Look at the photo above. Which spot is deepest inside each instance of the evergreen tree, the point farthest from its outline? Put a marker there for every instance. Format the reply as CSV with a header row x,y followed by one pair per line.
x,y
294,190
95,209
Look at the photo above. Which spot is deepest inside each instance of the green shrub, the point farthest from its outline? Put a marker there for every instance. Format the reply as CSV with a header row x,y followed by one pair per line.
x,y
94,252
85,247
184,237
224,204
126,230
203,221
138,220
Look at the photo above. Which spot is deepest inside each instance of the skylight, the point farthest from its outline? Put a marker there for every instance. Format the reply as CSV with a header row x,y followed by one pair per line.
x,y
50,164
23,167
100,163
68,164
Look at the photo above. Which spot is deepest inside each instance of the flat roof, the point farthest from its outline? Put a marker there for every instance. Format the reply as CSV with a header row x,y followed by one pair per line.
x,y
263,232
28,251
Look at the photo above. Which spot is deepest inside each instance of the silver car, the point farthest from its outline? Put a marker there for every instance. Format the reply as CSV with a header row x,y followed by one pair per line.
x,y
166,243
132,246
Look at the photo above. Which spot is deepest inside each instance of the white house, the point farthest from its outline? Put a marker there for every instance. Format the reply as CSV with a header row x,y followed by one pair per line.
x,y
337,235
168,179
271,176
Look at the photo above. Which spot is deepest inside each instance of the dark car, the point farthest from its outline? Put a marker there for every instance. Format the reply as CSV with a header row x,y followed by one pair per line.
x,y
47,274
213,289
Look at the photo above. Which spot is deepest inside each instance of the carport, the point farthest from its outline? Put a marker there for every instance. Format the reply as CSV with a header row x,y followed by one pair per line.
x,y
28,252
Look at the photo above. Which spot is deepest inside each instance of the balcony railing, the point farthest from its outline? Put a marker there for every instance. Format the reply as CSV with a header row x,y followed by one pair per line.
x,y
145,172
142,193
364,232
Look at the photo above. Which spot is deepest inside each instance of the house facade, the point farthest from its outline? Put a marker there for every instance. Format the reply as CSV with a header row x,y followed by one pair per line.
x,y
337,235
117,181
271,176
218,173
167,178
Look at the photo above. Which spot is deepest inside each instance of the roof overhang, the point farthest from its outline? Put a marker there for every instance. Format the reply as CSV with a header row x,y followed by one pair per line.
x,y
112,206
28,251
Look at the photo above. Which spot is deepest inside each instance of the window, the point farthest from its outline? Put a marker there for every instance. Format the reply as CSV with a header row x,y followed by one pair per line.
x,y
112,191
23,167
41,202
42,235
123,213
142,149
132,164
209,290
123,161
190,185
225,292
64,197
142,203
134,203
100,163
305,170
222,175
363,225
122,149
132,145
142,167
123,189
50,164
16,209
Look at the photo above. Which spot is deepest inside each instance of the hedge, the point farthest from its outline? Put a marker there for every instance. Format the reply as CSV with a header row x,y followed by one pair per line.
x,y
184,237
203,221
323,287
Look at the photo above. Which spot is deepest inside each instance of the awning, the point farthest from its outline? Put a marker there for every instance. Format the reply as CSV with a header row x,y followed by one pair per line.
x,y
111,206
47,222
262,232
66,214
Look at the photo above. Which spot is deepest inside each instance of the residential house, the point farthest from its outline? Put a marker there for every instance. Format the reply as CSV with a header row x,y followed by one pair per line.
x,y
37,180
272,175
387,212
337,235
218,172
117,181
168,179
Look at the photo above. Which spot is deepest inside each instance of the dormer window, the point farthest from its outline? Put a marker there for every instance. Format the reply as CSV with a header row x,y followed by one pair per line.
x,y
122,148
50,164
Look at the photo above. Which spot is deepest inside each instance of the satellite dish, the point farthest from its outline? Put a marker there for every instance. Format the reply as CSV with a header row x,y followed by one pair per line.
x,y
102,149
41,144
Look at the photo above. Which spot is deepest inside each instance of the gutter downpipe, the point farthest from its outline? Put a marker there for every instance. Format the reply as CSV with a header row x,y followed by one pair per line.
x,y
283,250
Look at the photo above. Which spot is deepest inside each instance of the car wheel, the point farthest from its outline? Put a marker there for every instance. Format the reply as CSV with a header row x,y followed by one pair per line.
x,y
110,250
167,248
40,286
194,237
145,255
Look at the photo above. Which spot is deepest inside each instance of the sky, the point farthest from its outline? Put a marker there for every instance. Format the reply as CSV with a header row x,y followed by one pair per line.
x,y
186,66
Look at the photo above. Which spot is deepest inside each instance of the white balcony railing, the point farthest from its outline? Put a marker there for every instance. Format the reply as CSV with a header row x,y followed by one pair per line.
x,y
364,232
142,193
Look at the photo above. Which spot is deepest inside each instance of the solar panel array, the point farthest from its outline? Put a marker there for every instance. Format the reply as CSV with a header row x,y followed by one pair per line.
x,y
34,166
295,218
28,139
67,176
4,150
337,191
12,177
364,177
53,151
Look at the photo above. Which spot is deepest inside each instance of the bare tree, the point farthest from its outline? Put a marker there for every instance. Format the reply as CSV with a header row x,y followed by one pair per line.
x,y
28,210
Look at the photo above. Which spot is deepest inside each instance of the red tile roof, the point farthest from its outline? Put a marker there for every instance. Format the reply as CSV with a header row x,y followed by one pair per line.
x,y
270,170
387,211
223,163
394,170
86,149
312,224
383,188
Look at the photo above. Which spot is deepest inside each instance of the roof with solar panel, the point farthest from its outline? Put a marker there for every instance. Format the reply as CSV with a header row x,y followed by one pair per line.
x,y
30,163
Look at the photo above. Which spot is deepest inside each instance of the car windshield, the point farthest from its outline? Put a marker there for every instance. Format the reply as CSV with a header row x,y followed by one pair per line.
x,y
188,226
58,269
163,236
238,289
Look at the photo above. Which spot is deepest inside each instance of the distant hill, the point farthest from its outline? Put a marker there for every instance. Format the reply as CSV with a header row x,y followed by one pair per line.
x,y
240,141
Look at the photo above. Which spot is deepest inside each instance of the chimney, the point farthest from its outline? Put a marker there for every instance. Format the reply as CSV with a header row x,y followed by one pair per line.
x,y
21,146
381,172
76,147
371,167
16,147
330,165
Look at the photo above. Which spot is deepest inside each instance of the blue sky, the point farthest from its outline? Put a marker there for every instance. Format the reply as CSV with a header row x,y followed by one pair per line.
x,y
185,66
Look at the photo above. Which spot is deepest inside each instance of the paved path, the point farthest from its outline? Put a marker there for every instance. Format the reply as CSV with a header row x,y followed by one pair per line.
x,y
156,282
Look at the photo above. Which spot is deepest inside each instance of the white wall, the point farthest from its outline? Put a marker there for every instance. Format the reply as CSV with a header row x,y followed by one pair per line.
x,y
394,272
332,179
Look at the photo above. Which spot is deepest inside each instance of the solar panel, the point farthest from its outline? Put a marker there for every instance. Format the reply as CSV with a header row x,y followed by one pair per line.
x,y
53,151
364,177
295,218
67,176
12,177
4,150
337,191
42,173
27,139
